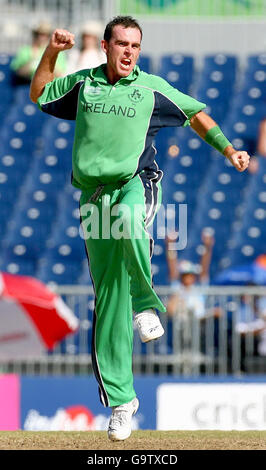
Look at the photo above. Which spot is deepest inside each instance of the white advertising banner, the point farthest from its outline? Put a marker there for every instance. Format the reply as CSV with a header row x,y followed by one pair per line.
x,y
220,406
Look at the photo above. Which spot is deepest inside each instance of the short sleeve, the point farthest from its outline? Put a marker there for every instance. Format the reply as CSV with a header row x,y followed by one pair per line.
x,y
60,97
176,108
190,106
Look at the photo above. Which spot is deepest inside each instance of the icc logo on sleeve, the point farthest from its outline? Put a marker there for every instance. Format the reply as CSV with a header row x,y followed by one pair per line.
x,y
92,90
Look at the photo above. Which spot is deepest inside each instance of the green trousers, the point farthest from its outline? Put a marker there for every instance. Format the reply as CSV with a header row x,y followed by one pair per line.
x,y
118,247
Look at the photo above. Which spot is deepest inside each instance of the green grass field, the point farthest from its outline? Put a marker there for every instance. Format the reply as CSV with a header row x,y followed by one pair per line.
x,y
139,440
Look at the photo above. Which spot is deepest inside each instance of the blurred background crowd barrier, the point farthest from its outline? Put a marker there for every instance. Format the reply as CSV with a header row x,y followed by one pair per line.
x,y
18,17
228,338
198,26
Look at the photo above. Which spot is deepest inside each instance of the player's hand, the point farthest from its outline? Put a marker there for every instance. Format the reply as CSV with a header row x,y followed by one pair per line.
x,y
61,40
239,160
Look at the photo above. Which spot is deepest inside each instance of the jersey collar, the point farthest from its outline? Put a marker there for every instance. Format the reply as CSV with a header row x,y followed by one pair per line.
x,y
97,74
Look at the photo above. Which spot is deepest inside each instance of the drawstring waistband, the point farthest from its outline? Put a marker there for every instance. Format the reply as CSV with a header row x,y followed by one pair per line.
x,y
99,189
95,196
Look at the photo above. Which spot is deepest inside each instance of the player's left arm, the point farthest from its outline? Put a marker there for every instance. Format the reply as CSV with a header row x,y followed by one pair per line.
x,y
209,131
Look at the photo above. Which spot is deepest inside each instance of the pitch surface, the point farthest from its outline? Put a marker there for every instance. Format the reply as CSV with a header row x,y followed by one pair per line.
x,y
139,440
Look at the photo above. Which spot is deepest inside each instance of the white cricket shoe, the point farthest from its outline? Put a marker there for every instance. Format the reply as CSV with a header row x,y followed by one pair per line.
x,y
120,422
149,325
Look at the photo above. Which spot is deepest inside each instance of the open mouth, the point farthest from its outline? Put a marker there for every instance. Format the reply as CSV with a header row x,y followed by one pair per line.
x,y
125,64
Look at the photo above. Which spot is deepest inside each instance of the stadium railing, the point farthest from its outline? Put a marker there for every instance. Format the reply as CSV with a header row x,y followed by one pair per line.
x,y
215,331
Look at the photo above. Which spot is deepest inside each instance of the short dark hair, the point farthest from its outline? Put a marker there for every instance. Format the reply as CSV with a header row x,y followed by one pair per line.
x,y
125,21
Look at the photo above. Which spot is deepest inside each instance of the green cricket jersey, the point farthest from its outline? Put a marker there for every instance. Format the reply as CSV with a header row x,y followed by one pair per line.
x,y
115,124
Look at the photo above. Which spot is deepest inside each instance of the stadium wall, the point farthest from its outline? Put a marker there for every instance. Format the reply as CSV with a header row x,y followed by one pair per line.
x,y
239,37
201,31
72,403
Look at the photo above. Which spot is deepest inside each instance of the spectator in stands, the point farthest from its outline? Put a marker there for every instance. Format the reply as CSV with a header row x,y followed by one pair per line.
x,y
251,323
184,276
28,57
187,304
90,53
261,147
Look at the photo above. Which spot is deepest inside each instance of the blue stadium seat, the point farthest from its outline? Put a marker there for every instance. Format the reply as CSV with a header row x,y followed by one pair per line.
x,y
70,217
46,181
255,78
213,95
178,70
5,60
85,278
16,252
14,162
17,266
55,128
13,144
54,165
10,179
22,95
29,114
160,274
256,62
216,99
251,95
58,272
221,62
224,88
41,199
71,250
6,90
216,77
248,237
177,61
70,197
66,233
145,63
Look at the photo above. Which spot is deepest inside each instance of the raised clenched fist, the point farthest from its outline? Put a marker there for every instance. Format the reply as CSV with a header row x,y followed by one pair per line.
x,y
240,160
61,40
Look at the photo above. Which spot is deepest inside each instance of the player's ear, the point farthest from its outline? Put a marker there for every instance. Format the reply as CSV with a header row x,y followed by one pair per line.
x,y
104,45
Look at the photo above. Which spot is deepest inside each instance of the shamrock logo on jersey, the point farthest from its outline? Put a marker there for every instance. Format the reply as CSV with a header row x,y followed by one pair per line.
x,y
136,96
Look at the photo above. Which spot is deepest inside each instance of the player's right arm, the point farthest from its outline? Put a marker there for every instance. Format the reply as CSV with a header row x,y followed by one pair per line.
x,y
60,40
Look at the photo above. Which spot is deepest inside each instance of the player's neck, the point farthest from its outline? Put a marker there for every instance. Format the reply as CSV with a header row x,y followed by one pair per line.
x,y
112,77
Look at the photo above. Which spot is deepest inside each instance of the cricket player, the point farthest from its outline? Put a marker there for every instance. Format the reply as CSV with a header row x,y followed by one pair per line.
x,y
118,111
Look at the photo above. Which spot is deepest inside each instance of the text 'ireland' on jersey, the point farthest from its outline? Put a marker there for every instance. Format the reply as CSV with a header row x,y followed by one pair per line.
x,y
115,124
